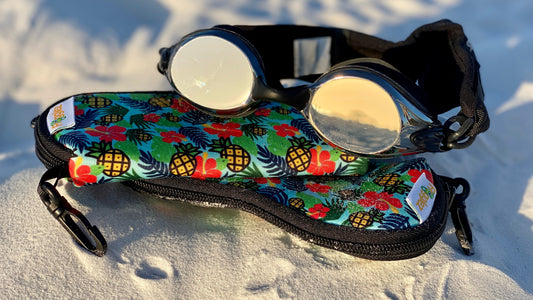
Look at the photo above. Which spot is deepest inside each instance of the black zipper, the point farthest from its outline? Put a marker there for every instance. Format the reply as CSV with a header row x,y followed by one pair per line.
x,y
402,244
50,152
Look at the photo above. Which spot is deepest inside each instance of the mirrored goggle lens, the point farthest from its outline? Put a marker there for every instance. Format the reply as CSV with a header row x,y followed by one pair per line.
x,y
355,114
212,72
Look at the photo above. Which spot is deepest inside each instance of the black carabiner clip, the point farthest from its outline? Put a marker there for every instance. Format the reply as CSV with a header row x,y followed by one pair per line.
x,y
85,234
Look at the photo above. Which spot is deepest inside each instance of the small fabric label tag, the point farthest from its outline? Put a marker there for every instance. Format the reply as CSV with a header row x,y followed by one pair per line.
x,y
61,116
422,197
312,55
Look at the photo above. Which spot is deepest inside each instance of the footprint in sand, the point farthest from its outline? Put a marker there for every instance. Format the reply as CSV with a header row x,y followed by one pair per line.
x,y
155,268
268,276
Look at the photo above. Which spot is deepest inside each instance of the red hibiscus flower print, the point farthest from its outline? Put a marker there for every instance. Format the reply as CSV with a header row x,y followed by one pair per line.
x,y
224,130
320,162
181,105
265,112
79,111
284,130
172,137
206,167
318,211
382,201
318,188
270,181
80,174
154,118
415,174
108,134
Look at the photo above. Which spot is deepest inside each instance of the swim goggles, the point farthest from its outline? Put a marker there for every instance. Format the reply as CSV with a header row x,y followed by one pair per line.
x,y
362,104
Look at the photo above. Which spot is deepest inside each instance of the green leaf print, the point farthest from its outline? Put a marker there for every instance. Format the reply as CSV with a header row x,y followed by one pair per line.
x,y
169,124
247,143
338,185
129,147
336,209
277,145
81,106
370,186
405,177
354,207
359,166
111,96
309,200
97,169
252,171
335,154
162,151
123,123
221,163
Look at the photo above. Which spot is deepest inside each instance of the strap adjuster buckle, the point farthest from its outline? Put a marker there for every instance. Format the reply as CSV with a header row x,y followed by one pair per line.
x,y
459,139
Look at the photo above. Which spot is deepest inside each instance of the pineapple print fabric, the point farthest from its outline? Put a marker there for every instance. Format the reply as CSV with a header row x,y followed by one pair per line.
x,y
152,135
375,200
273,151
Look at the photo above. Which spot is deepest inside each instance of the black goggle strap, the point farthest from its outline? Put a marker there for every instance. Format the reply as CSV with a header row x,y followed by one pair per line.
x,y
437,56
441,59
276,45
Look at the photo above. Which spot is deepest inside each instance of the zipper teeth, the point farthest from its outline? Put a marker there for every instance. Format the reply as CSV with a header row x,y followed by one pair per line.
x,y
49,151
48,159
391,251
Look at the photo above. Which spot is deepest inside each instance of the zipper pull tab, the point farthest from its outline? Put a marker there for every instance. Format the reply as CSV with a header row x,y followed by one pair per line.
x,y
463,231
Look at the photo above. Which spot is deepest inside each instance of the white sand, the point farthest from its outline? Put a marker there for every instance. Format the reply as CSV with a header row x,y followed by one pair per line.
x,y
162,250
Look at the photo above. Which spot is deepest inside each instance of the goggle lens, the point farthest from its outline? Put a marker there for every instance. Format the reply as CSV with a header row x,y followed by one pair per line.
x,y
355,114
218,74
